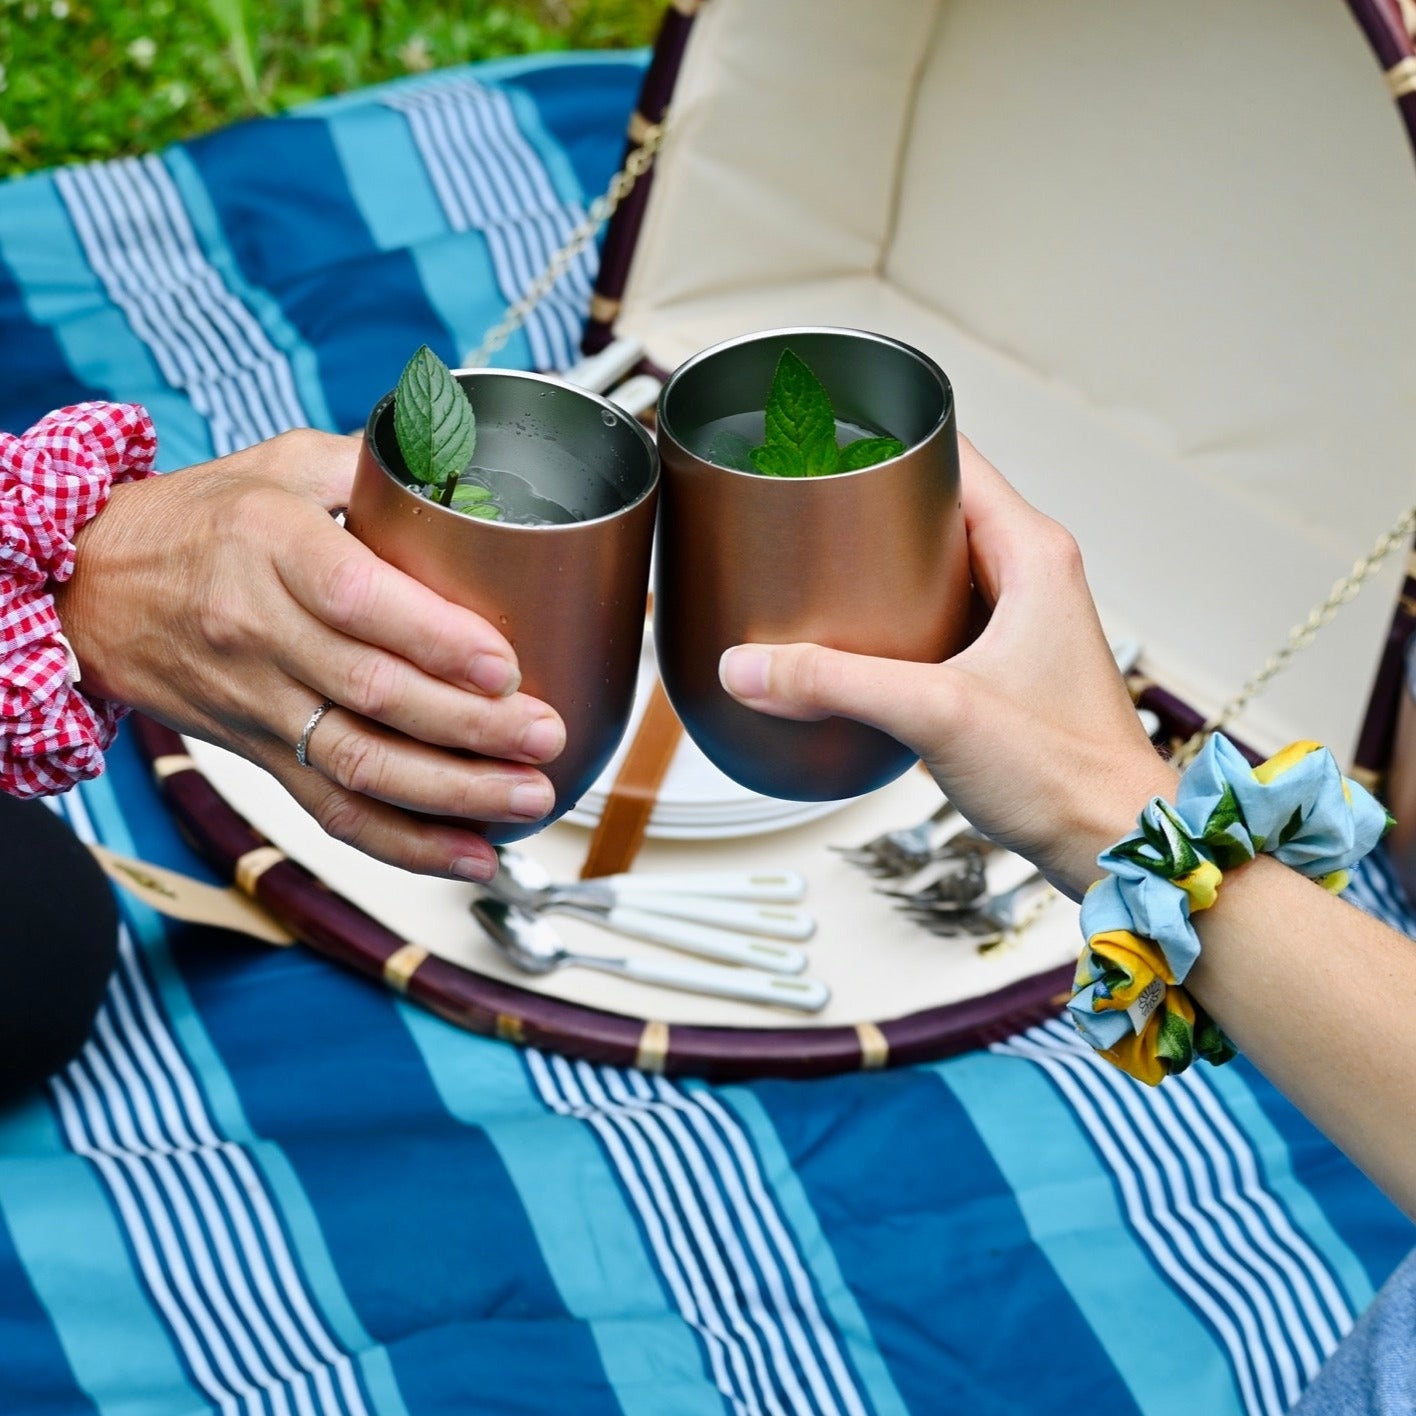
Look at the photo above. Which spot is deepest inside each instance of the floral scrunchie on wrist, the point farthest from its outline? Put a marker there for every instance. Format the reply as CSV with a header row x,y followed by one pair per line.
x,y
53,480
1129,1000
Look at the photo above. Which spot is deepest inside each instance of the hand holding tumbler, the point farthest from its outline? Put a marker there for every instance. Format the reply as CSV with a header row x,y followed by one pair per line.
x,y
872,561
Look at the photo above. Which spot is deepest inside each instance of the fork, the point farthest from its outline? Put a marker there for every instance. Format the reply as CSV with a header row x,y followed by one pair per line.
x,y
987,919
958,886
902,851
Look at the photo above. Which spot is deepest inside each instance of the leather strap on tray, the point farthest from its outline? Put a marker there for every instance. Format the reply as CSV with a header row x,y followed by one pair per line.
x,y
620,831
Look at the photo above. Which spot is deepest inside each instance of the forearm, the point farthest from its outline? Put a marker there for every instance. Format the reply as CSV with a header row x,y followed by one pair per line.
x,y
1322,999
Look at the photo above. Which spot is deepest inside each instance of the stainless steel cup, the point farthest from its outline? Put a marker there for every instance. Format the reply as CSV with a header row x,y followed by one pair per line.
x,y
874,562
571,597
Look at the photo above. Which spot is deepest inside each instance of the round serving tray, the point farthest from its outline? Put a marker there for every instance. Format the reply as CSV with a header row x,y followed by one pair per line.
x,y
900,995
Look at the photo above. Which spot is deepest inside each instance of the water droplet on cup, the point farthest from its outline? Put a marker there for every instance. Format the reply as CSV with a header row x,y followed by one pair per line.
x,y
608,418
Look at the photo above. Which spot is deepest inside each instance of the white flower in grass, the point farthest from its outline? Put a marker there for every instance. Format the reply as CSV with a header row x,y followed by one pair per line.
x,y
416,55
142,51
59,9
175,94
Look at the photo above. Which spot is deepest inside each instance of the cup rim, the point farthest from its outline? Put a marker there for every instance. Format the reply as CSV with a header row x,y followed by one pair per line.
x,y
665,427
505,527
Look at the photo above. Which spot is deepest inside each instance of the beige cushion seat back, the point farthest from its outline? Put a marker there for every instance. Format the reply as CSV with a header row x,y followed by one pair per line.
x,y
1166,254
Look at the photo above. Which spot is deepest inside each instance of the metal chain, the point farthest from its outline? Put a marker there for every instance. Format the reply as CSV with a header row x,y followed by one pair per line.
x,y
1301,635
639,161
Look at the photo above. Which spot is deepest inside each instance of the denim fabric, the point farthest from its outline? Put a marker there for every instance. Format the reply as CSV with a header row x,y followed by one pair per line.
x,y
1373,1372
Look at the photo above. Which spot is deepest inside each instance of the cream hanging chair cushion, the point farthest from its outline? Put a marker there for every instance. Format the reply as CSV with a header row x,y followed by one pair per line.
x,y
1167,255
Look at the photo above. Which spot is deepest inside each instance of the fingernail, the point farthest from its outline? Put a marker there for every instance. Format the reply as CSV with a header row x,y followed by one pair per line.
x,y
476,868
743,672
493,674
544,739
530,800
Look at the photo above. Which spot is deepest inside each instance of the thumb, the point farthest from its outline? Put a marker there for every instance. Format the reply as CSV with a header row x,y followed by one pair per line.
x,y
909,701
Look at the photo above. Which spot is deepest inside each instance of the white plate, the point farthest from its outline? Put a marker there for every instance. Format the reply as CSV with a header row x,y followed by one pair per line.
x,y
877,963
716,831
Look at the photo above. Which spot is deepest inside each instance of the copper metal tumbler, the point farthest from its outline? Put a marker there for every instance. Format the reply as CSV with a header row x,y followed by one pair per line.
x,y
569,597
874,562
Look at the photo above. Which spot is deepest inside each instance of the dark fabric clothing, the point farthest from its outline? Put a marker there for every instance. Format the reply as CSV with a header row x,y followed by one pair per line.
x,y
60,943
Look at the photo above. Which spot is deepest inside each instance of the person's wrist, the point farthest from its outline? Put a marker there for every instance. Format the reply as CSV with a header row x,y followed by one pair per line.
x,y
1105,805
1215,926
100,569
1131,999
57,479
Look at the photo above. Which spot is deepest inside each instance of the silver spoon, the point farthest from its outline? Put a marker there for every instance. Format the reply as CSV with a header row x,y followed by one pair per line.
x,y
707,941
533,946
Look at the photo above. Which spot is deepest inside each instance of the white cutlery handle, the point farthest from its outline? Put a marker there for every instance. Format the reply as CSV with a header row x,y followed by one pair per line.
x,y
701,939
609,366
772,921
1127,653
807,995
768,887
636,395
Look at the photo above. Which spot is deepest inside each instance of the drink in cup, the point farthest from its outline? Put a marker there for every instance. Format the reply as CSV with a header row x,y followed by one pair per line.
x,y
872,560
563,573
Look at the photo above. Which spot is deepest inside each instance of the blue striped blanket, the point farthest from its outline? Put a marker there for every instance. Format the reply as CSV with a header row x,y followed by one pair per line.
x,y
267,1187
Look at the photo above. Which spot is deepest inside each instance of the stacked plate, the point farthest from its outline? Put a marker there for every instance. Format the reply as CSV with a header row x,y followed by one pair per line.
x,y
696,802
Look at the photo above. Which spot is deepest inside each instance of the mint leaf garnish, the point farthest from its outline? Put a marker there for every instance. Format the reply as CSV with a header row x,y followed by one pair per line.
x,y
800,419
471,499
866,452
778,460
801,430
433,420
437,435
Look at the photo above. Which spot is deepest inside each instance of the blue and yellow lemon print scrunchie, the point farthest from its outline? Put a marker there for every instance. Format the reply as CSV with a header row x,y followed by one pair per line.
x,y
1129,1001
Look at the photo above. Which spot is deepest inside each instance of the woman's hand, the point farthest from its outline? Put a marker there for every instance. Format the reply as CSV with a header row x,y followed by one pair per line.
x,y
1032,735
1029,731
225,601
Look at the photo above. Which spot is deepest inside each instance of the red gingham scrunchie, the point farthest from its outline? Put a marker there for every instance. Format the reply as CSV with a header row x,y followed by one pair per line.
x,y
53,480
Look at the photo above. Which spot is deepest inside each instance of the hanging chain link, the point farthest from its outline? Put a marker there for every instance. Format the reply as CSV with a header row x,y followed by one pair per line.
x,y
1301,635
639,161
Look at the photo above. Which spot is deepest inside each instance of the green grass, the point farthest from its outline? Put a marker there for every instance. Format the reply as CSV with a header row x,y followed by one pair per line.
x,y
85,79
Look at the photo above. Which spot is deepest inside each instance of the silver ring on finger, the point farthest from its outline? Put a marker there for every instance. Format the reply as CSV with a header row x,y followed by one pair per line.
x,y
302,748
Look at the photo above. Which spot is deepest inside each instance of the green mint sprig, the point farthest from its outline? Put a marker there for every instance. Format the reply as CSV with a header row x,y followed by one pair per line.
x,y
437,434
472,499
801,429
